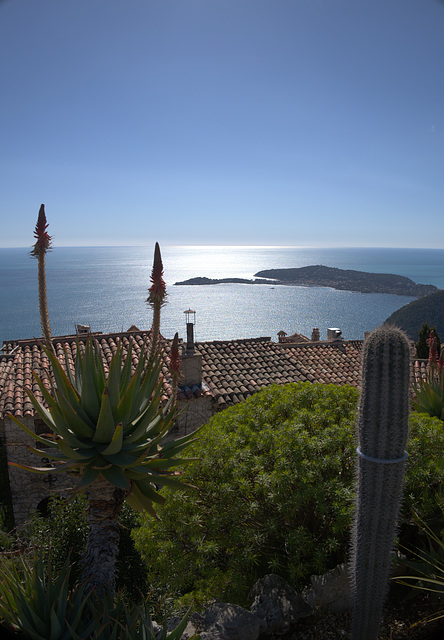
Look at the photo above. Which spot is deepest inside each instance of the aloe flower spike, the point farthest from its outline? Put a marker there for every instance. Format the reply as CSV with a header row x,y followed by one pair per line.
x,y
433,346
156,298
41,246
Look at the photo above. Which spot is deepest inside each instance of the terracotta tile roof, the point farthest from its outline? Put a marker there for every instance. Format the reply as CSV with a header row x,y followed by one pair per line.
x,y
329,362
232,370
25,356
295,337
236,369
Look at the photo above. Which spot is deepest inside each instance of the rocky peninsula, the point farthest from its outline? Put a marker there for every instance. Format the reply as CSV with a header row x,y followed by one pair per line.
x,y
321,276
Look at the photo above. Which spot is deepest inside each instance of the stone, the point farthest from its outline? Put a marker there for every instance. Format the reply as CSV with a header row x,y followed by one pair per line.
x,y
277,604
229,622
195,622
332,591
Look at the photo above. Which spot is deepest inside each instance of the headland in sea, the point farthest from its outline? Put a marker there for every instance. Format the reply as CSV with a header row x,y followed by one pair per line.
x,y
107,287
322,276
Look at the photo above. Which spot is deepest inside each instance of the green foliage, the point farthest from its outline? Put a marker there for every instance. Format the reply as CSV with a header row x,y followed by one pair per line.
x,y
427,568
37,601
430,395
422,346
412,316
108,424
429,391
7,514
274,494
64,531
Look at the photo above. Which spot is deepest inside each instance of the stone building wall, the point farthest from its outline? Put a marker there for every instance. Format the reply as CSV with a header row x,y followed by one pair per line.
x,y
192,415
29,490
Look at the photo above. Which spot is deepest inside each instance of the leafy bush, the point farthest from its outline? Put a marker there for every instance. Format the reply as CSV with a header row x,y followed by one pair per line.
x,y
275,493
64,530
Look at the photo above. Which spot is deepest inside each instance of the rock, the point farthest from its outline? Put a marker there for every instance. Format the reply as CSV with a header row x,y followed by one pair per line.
x,y
331,590
277,604
195,622
229,622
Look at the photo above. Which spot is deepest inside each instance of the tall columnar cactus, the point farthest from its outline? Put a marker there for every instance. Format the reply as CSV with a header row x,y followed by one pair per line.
x,y
39,250
382,434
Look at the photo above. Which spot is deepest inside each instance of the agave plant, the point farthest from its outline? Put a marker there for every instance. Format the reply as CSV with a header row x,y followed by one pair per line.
x,y
107,429
427,567
37,602
118,621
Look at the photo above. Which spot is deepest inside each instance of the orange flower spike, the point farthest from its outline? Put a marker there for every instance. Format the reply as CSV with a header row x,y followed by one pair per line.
x,y
433,346
157,291
43,239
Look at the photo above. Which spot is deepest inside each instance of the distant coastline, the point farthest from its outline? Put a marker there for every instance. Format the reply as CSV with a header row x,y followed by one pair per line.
x,y
333,277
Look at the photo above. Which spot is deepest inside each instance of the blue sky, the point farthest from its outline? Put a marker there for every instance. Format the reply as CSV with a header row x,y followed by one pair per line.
x,y
249,122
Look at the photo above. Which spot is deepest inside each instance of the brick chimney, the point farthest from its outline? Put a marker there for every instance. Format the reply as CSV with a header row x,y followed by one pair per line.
x,y
315,335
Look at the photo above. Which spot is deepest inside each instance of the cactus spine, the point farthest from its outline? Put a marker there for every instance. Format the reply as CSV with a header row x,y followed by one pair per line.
x,y
382,434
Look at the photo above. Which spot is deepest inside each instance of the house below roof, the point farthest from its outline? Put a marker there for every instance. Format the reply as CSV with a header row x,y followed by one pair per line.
x,y
215,375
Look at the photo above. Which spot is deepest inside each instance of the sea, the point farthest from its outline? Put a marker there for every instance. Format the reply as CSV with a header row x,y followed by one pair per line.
x,y
107,287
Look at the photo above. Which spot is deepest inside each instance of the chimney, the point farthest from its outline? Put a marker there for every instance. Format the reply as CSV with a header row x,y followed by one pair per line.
x,y
190,319
191,362
334,335
83,330
315,335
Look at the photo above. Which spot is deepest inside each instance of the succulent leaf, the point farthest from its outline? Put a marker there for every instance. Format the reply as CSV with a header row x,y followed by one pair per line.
x,y
105,424
116,476
115,446
35,436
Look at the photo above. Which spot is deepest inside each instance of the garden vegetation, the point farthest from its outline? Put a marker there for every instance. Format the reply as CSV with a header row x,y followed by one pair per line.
x,y
275,493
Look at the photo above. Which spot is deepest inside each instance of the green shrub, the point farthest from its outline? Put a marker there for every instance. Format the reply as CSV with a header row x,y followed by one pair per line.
x,y
275,493
64,530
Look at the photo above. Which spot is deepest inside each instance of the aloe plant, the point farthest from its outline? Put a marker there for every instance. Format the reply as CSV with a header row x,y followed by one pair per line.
x,y
39,251
107,427
427,568
429,391
118,621
108,431
39,603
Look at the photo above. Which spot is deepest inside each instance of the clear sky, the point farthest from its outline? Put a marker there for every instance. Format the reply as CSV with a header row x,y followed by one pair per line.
x,y
250,122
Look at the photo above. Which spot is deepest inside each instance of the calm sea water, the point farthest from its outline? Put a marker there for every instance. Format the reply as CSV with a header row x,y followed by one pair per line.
x,y
106,288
